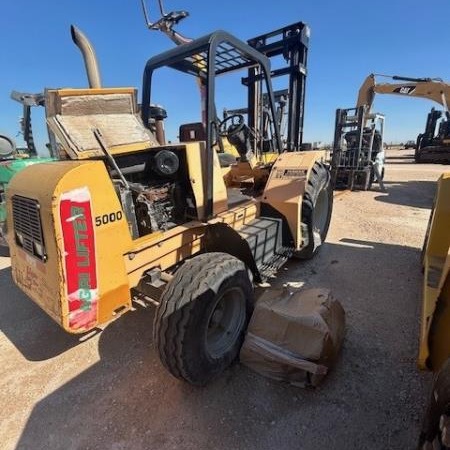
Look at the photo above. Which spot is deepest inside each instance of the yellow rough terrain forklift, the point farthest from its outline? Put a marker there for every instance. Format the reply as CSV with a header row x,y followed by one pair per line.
x,y
128,213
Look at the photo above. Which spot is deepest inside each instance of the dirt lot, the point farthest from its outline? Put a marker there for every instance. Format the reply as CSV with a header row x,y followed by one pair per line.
x,y
110,391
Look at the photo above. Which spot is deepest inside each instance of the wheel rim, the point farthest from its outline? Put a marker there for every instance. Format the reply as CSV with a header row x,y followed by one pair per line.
x,y
226,322
444,426
321,211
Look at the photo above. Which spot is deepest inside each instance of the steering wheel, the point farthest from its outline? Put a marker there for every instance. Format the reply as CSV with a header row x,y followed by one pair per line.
x,y
231,125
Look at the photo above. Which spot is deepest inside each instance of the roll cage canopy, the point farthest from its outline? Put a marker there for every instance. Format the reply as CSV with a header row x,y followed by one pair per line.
x,y
207,57
219,53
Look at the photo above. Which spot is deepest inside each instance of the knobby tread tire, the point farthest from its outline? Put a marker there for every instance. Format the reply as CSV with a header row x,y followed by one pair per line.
x,y
183,309
319,180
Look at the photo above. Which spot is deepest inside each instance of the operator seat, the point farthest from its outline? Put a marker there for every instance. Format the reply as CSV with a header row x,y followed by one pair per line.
x,y
194,132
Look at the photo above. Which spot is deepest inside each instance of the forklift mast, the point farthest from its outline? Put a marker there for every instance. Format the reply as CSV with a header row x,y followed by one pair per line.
x,y
351,134
290,42
358,139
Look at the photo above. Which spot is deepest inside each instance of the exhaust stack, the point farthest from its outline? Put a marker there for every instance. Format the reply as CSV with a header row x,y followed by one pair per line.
x,y
89,57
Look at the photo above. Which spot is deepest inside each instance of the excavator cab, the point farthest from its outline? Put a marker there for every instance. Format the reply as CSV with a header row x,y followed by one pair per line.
x,y
433,144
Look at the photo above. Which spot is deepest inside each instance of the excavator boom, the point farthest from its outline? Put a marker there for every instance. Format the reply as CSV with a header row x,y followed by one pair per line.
x,y
432,145
428,88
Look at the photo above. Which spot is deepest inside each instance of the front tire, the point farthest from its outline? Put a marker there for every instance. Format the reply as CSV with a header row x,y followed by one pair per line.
x,y
203,313
317,206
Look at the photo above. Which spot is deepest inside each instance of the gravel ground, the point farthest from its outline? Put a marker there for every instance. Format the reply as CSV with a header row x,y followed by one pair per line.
x,y
110,391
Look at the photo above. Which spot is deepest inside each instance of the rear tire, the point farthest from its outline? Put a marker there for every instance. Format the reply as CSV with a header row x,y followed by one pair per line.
x,y
203,313
317,206
431,435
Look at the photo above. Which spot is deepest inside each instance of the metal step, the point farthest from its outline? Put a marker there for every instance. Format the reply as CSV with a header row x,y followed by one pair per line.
x,y
271,267
264,237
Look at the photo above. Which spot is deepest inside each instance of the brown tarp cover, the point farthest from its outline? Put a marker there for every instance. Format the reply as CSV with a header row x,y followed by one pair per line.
x,y
294,335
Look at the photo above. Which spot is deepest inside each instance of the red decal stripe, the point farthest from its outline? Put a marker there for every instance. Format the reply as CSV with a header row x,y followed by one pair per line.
x,y
79,258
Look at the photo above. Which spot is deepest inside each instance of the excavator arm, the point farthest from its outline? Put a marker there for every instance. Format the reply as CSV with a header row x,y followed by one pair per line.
x,y
431,89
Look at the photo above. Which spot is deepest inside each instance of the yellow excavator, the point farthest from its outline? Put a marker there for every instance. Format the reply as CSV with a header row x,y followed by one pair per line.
x,y
434,144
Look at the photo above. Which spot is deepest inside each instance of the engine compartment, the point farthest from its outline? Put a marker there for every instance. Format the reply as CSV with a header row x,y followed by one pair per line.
x,y
159,195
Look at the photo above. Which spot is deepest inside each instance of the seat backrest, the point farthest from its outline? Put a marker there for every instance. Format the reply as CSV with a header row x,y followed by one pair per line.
x,y
190,132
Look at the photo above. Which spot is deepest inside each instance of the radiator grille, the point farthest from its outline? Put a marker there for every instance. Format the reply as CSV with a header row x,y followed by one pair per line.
x,y
27,226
